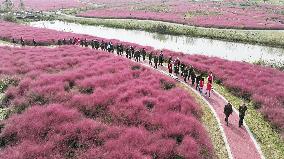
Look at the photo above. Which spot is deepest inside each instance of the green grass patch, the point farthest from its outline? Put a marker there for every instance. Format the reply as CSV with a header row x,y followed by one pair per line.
x,y
209,121
152,8
197,13
270,141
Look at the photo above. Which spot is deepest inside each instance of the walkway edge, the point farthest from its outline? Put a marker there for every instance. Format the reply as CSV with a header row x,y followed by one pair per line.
x,y
247,128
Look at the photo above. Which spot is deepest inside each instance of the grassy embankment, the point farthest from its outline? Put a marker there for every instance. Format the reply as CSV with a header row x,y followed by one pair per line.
x,y
268,138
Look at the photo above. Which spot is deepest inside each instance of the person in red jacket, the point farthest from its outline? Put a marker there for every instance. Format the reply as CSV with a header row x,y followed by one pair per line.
x,y
170,67
210,78
208,88
201,84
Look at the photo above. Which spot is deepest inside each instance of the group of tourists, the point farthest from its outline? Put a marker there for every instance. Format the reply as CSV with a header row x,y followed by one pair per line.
x,y
228,110
188,73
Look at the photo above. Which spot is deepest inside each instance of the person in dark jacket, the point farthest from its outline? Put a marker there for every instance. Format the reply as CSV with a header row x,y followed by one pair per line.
x,y
156,61
14,41
117,49
193,76
81,42
170,60
242,112
176,66
34,42
59,42
64,41
182,67
198,78
93,44
22,42
190,70
127,52
137,55
86,43
106,44
228,110
185,73
150,58
132,51
97,44
121,49
161,58
143,53
102,45
70,41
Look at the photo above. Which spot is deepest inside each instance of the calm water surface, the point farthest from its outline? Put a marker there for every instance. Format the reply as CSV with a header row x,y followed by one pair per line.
x,y
188,45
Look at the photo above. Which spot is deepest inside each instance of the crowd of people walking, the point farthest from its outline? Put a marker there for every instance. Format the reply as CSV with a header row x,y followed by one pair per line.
x,y
176,67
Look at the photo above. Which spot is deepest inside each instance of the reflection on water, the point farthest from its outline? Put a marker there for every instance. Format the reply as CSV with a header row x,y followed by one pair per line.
x,y
189,45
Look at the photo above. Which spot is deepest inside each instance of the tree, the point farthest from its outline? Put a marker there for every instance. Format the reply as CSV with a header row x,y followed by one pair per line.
x,y
7,6
22,5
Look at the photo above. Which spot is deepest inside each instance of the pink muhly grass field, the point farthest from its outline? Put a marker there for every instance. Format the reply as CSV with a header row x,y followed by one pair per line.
x,y
77,102
258,83
222,14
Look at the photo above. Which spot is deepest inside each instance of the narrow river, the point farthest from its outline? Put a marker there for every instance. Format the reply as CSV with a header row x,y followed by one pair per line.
x,y
190,45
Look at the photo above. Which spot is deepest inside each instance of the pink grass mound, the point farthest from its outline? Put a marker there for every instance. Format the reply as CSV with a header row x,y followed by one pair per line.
x,y
93,103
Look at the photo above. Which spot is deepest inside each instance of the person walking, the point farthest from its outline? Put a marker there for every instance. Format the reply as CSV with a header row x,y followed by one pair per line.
x,y
182,67
198,78
210,77
22,41
161,59
193,76
150,58
176,66
132,51
185,73
228,110
156,61
242,112
170,67
208,89
201,84
102,45
170,60
143,52
34,42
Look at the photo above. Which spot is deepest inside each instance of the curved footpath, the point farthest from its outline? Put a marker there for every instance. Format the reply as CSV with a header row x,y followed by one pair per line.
x,y
240,142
